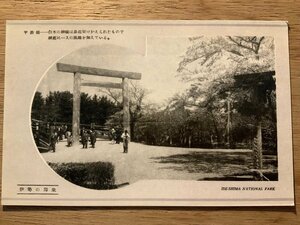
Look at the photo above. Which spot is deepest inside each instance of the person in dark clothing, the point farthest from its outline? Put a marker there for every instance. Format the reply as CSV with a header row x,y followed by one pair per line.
x,y
53,140
118,136
93,138
84,139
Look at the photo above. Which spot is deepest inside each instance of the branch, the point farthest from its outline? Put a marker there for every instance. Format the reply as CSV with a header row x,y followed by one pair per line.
x,y
208,56
114,96
258,44
255,45
235,52
240,44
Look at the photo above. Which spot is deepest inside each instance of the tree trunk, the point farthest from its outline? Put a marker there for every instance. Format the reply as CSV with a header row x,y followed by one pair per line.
x,y
216,128
257,149
132,130
259,145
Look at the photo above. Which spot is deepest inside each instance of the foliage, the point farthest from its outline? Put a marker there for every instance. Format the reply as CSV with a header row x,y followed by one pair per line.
x,y
37,109
95,175
231,90
96,109
209,58
232,73
213,63
175,125
57,107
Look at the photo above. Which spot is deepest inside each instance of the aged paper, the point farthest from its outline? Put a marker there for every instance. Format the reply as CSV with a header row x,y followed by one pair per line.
x,y
147,113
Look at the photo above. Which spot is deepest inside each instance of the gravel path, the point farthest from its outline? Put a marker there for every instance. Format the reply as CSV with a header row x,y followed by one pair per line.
x,y
140,163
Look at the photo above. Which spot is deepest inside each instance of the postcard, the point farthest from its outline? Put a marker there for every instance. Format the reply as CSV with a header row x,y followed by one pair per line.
x,y
147,113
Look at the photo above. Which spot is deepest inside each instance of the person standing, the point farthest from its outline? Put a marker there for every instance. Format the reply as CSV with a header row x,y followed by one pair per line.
x,y
69,138
113,136
93,138
53,140
125,136
84,139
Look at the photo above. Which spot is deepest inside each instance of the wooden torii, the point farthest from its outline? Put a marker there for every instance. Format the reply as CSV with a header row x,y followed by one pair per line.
x,y
78,70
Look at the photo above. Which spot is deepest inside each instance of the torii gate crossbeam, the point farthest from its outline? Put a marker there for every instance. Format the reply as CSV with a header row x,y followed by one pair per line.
x,y
77,71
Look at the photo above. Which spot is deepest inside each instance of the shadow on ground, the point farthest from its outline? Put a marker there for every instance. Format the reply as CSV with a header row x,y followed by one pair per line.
x,y
208,162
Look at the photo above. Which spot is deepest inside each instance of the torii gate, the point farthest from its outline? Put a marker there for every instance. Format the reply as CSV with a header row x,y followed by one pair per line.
x,y
77,71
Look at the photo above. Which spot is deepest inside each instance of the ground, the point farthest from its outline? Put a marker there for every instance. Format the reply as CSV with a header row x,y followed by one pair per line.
x,y
156,162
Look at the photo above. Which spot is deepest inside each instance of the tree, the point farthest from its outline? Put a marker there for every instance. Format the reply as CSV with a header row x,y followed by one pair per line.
x,y
136,104
178,123
51,107
37,106
64,100
211,57
58,107
212,65
96,109
212,62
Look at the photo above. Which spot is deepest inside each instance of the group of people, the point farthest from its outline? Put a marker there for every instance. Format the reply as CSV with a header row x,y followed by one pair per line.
x,y
58,134
61,132
117,136
87,136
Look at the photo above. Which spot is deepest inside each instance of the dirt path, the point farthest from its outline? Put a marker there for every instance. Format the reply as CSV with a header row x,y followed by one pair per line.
x,y
140,163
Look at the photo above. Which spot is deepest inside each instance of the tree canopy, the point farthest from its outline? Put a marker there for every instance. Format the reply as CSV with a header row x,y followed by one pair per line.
x,y
57,107
216,102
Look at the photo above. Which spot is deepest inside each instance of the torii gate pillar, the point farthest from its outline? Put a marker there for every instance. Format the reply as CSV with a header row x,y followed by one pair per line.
x,y
76,107
77,71
126,114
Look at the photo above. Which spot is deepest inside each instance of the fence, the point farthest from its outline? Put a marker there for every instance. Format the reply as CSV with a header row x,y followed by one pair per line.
x,y
42,131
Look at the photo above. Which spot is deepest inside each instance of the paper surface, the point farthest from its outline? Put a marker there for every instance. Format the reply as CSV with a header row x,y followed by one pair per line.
x,y
206,106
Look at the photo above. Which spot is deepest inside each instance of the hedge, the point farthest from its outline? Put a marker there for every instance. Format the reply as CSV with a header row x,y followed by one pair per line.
x,y
95,175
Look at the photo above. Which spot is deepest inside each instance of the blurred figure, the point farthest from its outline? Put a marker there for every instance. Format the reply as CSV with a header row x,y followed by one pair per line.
x,y
84,139
125,136
118,135
69,138
93,138
53,140
113,136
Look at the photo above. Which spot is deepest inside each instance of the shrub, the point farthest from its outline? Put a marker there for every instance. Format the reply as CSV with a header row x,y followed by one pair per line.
x,y
95,175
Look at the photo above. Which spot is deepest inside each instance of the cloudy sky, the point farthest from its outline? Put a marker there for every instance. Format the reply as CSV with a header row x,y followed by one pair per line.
x,y
158,67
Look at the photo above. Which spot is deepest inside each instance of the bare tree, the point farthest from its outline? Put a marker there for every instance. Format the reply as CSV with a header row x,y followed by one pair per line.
x,y
136,97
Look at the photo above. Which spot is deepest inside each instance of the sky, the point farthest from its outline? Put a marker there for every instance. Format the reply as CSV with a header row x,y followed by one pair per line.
x,y
157,65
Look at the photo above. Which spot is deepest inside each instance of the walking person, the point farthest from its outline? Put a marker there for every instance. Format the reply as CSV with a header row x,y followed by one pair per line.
x,y
125,136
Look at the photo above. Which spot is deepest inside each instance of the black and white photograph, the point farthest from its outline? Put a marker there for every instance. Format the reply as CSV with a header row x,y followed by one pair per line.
x,y
194,108
147,113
